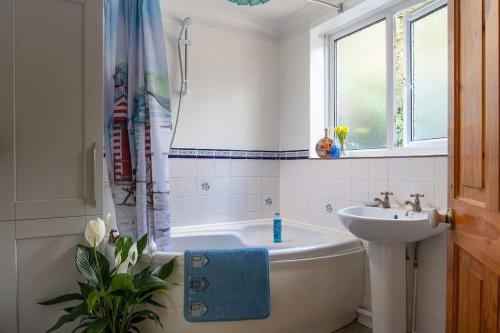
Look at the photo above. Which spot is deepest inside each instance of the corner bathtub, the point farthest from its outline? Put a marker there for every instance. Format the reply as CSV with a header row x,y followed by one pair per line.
x,y
317,277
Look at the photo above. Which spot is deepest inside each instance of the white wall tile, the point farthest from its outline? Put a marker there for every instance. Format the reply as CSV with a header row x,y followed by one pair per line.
x,y
238,204
270,168
186,187
222,205
343,169
205,167
378,169
375,187
399,169
360,169
343,189
238,185
401,190
254,168
238,168
221,185
173,167
187,167
270,184
205,205
320,169
186,206
422,169
359,190
254,185
441,195
205,186
222,168
441,169
254,203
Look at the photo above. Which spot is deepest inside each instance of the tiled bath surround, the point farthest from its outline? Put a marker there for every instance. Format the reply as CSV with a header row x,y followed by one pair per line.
x,y
310,188
214,190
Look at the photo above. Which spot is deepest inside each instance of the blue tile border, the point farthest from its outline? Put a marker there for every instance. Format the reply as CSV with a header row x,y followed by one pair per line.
x,y
239,154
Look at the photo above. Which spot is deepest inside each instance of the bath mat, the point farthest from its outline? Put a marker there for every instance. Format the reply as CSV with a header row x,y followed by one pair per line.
x,y
226,285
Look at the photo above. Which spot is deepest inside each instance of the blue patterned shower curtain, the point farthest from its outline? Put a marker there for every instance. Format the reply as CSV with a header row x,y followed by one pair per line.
x,y
138,121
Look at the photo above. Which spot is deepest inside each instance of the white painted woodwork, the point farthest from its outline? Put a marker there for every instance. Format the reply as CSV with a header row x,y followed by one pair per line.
x,y
58,108
45,269
8,277
6,108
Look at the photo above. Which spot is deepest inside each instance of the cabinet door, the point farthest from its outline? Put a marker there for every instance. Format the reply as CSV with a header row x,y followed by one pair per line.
x,y
58,103
6,111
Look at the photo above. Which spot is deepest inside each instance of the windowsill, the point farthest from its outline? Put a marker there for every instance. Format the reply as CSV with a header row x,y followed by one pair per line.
x,y
412,151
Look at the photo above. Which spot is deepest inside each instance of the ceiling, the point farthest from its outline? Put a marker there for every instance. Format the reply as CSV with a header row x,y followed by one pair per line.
x,y
274,17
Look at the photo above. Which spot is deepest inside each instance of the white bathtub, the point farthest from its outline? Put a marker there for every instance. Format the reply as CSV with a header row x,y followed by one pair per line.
x,y
317,277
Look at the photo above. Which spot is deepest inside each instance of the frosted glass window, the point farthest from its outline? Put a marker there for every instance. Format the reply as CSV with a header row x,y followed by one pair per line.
x,y
360,86
429,71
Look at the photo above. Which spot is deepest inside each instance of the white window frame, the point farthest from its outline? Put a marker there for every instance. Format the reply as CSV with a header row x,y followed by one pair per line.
x,y
408,76
411,148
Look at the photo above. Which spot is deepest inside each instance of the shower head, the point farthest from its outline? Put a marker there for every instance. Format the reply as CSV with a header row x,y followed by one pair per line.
x,y
185,24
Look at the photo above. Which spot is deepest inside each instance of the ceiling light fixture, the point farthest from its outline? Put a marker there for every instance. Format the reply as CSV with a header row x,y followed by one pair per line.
x,y
338,7
249,2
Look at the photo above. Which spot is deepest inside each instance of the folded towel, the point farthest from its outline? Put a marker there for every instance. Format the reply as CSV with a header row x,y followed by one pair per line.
x,y
226,285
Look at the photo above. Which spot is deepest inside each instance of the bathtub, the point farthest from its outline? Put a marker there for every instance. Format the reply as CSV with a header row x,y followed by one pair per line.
x,y
317,277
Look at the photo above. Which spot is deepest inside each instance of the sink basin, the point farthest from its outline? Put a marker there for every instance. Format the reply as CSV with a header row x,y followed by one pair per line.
x,y
388,225
387,232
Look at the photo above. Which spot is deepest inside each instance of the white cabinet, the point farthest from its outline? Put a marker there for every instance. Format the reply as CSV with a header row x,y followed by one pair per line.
x,y
52,104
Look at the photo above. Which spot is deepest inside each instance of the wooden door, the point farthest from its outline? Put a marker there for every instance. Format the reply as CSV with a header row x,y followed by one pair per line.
x,y
53,106
474,245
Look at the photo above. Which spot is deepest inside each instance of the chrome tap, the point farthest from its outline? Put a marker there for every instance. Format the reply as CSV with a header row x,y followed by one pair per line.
x,y
415,206
384,203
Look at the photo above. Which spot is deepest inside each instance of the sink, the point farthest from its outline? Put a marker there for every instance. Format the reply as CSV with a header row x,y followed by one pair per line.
x,y
387,232
388,225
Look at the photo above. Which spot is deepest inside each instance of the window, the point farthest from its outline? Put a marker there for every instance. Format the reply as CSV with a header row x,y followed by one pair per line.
x,y
360,86
428,71
392,92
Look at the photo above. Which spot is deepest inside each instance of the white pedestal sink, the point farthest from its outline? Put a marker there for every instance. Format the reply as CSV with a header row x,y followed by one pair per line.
x,y
388,231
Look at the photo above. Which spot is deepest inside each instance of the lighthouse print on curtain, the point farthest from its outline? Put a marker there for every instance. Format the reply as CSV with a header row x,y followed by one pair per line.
x,y
138,118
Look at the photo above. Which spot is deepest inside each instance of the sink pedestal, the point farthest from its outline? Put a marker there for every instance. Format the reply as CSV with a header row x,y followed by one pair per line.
x,y
388,286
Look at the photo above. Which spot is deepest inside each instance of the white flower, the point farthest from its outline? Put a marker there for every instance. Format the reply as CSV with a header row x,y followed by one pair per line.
x,y
107,222
152,247
133,254
123,268
95,232
118,259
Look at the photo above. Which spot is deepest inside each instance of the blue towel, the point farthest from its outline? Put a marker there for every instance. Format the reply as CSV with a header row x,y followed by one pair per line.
x,y
226,285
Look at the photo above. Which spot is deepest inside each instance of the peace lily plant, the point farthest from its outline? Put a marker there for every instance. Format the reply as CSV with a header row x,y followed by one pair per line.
x,y
113,300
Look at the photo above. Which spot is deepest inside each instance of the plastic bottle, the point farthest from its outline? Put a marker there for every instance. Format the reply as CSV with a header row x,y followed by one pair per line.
x,y
277,228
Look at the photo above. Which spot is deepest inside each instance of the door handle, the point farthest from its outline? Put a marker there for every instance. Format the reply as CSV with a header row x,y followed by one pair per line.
x,y
436,218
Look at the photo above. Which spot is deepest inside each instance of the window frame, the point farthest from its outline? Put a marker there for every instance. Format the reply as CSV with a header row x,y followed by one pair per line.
x,y
408,75
416,148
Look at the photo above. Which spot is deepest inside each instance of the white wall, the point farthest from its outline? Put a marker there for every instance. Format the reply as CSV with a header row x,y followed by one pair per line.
x,y
233,100
294,92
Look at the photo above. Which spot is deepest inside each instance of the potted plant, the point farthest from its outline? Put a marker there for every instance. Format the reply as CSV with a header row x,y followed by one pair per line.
x,y
113,300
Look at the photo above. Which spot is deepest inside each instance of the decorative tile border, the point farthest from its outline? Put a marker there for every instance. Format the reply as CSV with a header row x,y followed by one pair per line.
x,y
239,154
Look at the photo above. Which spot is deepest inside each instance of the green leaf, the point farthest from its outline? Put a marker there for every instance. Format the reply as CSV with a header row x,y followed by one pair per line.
x,y
74,314
91,269
141,244
119,245
164,271
152,302
146,314
63,298
122,282
82,325
85,289
97,326
127,244
135,329
152,282
93,298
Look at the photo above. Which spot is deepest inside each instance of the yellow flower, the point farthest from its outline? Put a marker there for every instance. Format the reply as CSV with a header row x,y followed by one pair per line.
x,y
342,132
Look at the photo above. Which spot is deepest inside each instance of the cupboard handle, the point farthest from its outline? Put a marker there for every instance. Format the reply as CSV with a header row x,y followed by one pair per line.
x,y
94,174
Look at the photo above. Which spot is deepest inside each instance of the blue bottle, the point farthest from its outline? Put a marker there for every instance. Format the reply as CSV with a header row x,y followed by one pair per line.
x,y
277,224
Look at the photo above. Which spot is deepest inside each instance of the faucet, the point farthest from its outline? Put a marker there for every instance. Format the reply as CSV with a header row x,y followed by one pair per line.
x,y
415,206
384,203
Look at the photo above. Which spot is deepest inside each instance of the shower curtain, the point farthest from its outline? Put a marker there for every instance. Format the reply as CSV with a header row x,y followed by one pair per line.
x,y
138,121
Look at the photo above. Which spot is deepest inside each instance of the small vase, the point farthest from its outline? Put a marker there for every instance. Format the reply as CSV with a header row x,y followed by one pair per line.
x,y
324,146
342,149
